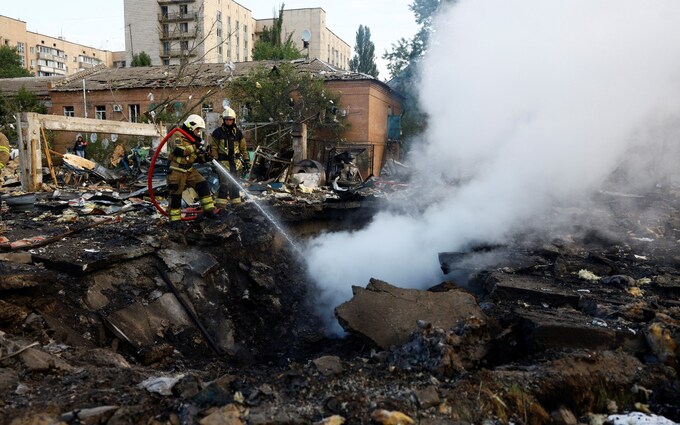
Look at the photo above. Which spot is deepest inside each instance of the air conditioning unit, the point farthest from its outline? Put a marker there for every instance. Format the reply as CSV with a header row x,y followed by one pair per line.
x,y
117,108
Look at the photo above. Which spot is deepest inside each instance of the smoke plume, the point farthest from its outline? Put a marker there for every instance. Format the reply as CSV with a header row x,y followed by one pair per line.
x,y
531,104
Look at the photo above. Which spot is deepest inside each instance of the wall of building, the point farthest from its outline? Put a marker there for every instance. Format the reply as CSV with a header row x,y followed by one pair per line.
x,y
366,104
196,31
45,55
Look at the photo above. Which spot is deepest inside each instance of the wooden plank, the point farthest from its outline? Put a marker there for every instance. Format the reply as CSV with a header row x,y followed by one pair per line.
x,y
56,122
49,158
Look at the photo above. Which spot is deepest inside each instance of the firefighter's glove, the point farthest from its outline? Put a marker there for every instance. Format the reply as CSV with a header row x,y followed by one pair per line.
x,y
178,151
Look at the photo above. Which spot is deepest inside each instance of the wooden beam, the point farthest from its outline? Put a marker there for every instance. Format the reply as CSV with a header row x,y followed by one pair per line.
x,y
46,149
29,145
57,122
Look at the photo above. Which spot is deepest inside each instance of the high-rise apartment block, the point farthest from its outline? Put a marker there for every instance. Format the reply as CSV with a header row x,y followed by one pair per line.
x,y
45,55
218,31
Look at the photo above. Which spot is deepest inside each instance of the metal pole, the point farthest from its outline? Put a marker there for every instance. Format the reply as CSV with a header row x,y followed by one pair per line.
x,y
84,99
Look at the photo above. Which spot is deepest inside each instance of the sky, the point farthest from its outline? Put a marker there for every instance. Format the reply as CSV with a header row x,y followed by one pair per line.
x,y
101,24
533,104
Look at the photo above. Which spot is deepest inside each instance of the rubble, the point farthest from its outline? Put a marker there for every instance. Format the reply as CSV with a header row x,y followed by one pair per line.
x,y
123,320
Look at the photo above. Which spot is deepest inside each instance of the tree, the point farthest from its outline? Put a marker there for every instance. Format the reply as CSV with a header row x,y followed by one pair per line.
x,y
270,46
403,63
364,58
10,63
23,101
141,59
280,95
405,51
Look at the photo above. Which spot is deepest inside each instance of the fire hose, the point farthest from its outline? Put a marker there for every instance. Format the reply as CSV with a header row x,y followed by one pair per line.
x,y
149,180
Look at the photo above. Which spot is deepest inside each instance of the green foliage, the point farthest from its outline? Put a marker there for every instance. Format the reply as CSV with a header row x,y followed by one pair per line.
x,y
281,95
141,59
364,49
403,62
270,46
284,51
400,56
23,101
405,51
10,63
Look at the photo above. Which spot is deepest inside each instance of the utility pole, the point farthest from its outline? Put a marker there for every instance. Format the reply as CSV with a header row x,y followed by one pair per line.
x,y
132,48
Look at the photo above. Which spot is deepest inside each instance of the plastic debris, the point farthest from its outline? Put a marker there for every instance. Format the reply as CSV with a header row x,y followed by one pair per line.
x,y
636,418
587,275
161,385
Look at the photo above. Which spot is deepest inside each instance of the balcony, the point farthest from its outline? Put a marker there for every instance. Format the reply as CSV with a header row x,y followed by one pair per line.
x,y
177,53
51,70
51,57
177,16
177,35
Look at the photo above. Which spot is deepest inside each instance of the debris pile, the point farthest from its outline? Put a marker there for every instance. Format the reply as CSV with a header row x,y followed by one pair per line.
x,y
107,315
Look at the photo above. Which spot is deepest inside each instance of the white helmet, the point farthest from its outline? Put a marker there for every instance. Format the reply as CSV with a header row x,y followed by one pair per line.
x,y
194,121
229,113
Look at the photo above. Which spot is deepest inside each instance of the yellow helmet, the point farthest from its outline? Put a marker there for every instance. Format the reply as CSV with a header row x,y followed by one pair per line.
x,y
194,121
229,114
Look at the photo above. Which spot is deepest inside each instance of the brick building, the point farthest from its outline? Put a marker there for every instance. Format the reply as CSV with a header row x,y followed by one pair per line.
x,y
128,94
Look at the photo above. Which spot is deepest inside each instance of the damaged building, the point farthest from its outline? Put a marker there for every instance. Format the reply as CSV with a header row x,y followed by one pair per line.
x,y
109,316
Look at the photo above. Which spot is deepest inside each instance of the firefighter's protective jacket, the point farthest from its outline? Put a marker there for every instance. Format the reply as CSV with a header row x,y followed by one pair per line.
x,y
183,153
229,146
4,151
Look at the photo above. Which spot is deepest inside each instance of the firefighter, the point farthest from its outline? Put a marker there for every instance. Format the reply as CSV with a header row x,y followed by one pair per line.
x,y
229,147
4,151
183,154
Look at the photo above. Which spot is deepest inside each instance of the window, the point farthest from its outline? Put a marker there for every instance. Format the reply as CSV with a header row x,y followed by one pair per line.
x,y
183,27
134,113
166,47
100,112
183,9
69,111
166,62
20,47
166,30
219,16
164,11
32,50
184,45
206,107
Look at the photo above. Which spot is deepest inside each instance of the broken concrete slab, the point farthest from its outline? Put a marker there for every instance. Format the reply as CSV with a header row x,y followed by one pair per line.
x,y
18,276
534,289
140,324
569,328
84,261
387,315
193,259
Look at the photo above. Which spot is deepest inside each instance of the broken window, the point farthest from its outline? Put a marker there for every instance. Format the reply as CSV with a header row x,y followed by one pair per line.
x,y
100,112
134,113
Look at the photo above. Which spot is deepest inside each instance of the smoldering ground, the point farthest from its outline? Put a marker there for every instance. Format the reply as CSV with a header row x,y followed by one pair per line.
x,y
534,106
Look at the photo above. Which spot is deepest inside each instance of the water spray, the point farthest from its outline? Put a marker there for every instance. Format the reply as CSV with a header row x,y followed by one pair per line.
x,y
225,173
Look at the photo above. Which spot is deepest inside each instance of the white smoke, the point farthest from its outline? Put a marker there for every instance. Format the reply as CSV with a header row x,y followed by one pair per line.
x,y
532,103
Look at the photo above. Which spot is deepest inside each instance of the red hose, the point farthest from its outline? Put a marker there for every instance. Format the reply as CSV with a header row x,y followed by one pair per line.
x,y
149,180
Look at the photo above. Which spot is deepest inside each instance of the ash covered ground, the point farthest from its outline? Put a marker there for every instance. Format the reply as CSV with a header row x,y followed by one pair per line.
x,y
566,328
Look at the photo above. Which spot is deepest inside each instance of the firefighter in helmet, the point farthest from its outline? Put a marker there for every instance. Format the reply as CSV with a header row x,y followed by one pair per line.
x,y
183,154
229,147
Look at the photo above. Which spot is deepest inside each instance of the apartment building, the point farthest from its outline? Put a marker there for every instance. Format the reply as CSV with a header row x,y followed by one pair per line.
x,y
173,32
45,55
322,43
